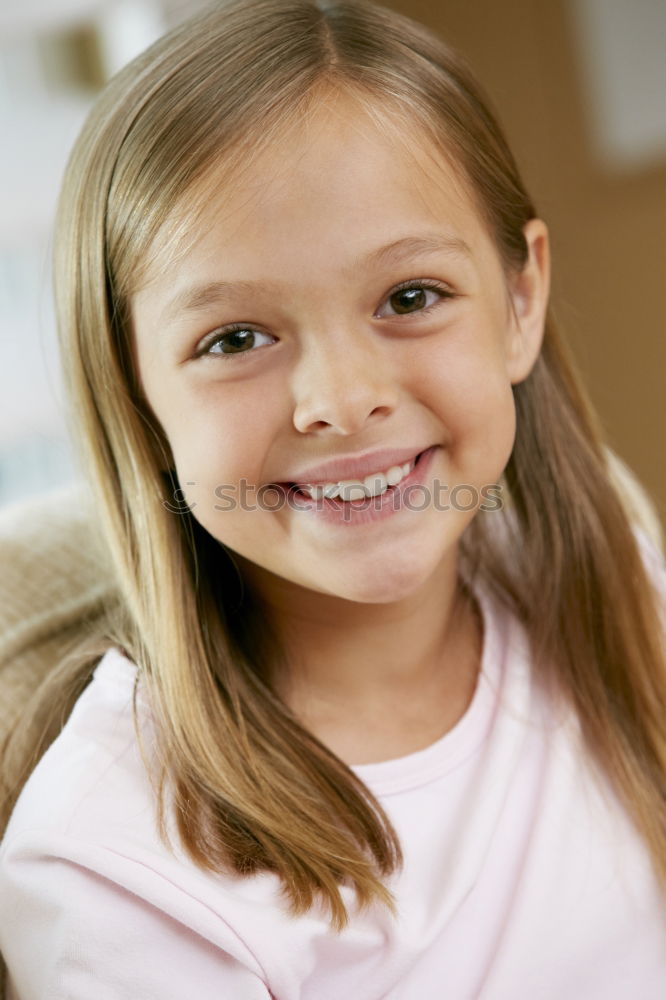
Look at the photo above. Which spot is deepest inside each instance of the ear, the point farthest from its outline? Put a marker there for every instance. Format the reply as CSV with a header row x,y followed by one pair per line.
x,y
528,291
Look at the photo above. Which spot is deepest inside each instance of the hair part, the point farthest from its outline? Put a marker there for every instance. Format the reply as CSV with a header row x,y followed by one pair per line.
x,y
251,788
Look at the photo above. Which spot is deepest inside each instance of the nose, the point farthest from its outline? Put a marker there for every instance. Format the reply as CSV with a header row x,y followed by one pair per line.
x,y
341,381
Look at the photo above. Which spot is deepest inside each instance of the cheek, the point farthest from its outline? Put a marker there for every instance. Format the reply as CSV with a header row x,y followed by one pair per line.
x,y
465,383
464,375
221,432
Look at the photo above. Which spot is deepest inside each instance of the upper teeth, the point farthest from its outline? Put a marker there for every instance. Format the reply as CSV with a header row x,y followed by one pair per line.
x,y
357,489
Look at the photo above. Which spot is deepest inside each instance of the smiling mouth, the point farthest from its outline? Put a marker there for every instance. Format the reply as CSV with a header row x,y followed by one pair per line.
x,y
376,484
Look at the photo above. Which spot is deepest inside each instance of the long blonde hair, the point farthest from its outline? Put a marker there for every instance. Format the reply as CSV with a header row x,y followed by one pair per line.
x,y
253,790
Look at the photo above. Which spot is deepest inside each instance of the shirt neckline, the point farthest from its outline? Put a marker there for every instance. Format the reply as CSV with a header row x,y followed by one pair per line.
x,y
455,746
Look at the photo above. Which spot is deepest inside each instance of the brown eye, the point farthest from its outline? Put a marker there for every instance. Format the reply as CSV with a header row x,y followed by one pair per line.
x,y
238,340
412,298
235,341
408,300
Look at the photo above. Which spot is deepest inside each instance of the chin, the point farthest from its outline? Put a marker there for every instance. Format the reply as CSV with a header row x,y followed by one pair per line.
x,y
387,586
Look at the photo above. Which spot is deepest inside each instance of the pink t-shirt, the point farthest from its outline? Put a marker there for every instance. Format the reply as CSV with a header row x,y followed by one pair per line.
x,y
523,877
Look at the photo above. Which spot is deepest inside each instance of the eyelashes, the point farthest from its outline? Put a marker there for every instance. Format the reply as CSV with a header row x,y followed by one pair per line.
x,y
240,338
409,298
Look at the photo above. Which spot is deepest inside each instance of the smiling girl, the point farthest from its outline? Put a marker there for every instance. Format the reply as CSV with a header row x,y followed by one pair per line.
x,y
347,740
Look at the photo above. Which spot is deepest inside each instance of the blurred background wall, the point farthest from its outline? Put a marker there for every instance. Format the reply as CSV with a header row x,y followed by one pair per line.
x,y
580,86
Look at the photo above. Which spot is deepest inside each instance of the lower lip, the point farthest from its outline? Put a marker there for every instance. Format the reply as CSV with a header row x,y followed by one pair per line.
x,y
370,509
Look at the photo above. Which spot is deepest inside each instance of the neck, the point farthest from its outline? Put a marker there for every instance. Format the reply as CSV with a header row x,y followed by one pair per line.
x,y
412,663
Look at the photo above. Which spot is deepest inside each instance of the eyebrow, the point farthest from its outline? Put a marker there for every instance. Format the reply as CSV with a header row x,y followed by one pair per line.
x,y
198,297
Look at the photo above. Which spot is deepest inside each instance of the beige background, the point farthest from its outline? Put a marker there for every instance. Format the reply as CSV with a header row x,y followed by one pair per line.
x,y
608,227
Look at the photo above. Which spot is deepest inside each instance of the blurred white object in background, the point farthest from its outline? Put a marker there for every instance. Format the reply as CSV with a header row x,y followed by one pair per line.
x,y
623,64
54,57
125,29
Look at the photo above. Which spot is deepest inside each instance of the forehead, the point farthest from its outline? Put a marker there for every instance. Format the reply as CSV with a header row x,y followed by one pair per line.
x,y
336,184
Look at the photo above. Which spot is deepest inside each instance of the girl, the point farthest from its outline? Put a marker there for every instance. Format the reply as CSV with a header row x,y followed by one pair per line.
x,y
382,712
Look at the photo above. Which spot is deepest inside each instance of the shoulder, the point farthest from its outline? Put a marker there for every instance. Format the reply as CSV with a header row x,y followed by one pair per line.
x,y
87,882
96,746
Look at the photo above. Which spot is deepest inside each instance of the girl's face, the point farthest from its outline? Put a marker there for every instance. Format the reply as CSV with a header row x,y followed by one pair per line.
x,y
344,300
